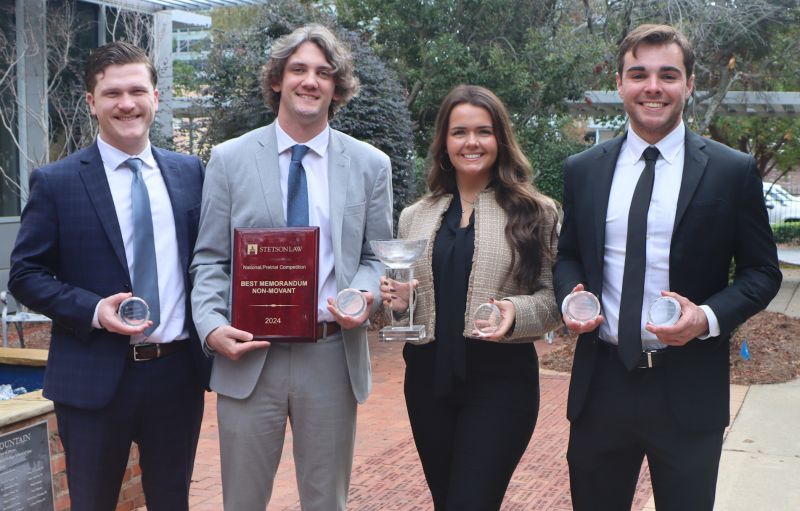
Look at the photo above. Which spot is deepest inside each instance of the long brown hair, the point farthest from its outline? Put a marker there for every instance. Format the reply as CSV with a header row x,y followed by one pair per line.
x,y
512,181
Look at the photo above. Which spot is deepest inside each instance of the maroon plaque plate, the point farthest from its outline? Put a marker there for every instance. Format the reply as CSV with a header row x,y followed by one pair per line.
x,y
275,282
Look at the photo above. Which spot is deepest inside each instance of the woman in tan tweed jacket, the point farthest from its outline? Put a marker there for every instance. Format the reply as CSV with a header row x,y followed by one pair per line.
x,y
473,399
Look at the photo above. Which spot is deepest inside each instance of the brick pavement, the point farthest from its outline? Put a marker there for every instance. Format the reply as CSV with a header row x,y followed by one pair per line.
x,y
387,475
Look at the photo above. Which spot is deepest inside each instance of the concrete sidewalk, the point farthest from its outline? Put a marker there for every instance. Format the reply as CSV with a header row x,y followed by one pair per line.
x,y
760,466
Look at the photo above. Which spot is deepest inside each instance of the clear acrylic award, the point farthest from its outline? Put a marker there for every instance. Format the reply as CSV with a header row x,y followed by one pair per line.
x,y
398,256
350,302
486,319
582,306
133,311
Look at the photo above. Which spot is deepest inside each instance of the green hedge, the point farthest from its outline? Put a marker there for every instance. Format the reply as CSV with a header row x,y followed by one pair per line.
x,y
788,232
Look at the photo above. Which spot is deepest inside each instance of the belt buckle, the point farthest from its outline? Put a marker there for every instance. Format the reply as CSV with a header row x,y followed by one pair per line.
x,y
649,359
324,335
143,345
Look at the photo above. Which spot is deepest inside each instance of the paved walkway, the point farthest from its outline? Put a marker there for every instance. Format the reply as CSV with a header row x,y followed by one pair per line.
x,y
386,472
760,465
759,468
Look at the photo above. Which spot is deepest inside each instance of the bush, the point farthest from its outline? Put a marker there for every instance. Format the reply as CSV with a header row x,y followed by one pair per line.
x,y
546,147
788,232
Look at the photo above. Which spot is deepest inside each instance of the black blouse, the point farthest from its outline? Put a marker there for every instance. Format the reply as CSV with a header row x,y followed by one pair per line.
x,y
452,263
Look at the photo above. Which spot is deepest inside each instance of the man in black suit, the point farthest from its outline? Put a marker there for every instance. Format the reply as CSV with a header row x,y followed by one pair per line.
x,y
115,219
638,389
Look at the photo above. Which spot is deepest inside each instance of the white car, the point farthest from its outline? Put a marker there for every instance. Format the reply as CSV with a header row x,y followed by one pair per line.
x,y
782,206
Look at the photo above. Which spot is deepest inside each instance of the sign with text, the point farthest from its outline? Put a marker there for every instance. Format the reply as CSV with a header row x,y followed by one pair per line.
x,y
275,282
26,483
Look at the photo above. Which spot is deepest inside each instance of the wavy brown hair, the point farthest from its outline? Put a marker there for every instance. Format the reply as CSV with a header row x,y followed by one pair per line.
x,y
512,180
336,52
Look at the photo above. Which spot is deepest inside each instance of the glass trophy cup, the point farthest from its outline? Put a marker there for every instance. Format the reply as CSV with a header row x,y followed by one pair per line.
x,y
664,311
486,319
133,311
350,302
398,256
582,306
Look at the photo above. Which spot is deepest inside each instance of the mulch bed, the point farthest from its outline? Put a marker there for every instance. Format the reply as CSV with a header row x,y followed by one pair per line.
x,y
773,340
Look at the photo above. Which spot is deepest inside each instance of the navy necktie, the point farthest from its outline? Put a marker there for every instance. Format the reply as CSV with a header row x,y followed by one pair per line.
x,y
630,306
145,270
297,197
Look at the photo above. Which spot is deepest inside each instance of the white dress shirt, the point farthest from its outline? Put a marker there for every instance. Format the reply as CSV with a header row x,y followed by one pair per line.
x,y
315,163
660,224
171,290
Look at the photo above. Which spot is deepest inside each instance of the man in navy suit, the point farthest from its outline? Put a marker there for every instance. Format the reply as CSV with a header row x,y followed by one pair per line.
x,y
657,212
117,219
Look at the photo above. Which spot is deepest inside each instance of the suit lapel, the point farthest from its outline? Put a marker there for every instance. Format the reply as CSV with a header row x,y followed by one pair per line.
x,y
338,175
601,178
173,179
694,165
94,179
269,174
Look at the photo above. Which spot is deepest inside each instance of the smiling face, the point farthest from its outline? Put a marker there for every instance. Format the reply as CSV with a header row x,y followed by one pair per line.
x,y
471,143
307,89
125,103
654,89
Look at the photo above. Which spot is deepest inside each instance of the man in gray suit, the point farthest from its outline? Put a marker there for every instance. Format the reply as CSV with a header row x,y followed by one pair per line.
x,y
345,189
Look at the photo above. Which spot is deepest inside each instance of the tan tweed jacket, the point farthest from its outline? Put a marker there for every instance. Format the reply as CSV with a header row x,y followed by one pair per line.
x,y
491,276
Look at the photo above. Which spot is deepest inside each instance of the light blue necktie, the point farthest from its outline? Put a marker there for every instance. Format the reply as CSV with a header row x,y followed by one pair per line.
x,y
297,197
145,269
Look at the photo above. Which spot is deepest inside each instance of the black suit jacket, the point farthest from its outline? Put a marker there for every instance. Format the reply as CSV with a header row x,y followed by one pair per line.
x,y
720,216
69,255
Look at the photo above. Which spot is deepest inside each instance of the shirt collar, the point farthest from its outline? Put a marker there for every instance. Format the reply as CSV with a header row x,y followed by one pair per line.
x,y
669,146
318,144
113,157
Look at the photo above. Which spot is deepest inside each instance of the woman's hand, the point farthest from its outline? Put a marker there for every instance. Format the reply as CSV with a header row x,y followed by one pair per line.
x,y
508,314
395,295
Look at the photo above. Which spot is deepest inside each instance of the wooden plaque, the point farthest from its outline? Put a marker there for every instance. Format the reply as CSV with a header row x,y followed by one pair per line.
x,y
275,282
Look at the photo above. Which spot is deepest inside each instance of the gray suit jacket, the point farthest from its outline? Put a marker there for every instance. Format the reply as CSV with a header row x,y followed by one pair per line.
x,y
243,189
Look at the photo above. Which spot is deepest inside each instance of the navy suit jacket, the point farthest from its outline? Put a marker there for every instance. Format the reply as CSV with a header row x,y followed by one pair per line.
x,y
69,255
720,216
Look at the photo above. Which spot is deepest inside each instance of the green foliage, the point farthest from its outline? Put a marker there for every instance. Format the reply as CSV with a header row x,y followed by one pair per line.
x,y
773,141
523,50
378,115
788,232
547,147
187,77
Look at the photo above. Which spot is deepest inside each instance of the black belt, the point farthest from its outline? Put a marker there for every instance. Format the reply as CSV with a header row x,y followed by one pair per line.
x,y
648,360
327,329
149,351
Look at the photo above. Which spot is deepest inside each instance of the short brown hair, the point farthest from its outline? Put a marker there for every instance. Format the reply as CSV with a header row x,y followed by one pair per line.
x,y
656,35
336,52
117,53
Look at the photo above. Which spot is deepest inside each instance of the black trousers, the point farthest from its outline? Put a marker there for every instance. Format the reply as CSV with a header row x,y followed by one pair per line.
x,y
470,441
628,416
158,405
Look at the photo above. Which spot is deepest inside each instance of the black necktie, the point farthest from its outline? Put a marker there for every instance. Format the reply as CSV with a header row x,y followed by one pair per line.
x,y
297,195
630,306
